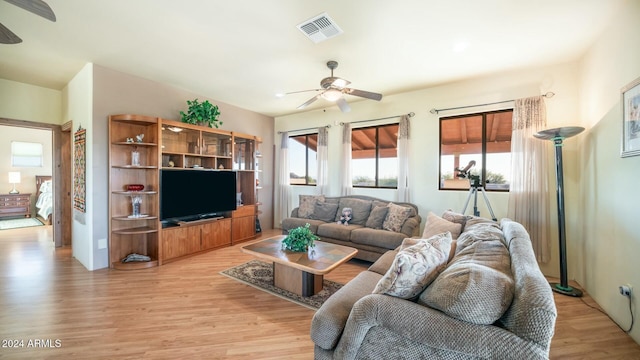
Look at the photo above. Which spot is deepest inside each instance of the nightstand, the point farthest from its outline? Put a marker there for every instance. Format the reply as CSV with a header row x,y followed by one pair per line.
x,y
15,205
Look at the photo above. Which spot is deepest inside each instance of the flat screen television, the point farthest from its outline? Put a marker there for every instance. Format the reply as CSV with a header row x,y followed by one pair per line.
x,y
187,195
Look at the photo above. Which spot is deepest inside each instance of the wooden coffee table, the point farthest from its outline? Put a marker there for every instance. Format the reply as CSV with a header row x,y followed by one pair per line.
x,y
300,273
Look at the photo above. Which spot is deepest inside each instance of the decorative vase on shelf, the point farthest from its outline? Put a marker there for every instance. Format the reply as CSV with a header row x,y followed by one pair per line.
x,y
136,204
135,158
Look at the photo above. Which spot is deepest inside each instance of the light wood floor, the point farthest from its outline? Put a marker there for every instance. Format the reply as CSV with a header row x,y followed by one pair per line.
x,y
187,310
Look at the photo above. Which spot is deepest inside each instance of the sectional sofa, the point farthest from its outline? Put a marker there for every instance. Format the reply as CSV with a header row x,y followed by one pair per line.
x,y
484,298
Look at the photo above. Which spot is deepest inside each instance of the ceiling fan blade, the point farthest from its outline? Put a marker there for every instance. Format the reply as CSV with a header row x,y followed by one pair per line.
x,y
37,7
297,92
8,37
310,101
364,94
342,104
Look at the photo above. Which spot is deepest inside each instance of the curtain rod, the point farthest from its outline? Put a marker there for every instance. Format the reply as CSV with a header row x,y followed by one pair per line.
x,y
436,111
311,128
411,114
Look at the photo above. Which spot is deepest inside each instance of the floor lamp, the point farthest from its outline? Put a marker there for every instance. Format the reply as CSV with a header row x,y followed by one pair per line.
x,y
557,136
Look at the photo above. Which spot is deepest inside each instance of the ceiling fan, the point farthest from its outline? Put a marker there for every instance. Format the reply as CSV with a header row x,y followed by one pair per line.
x,y
37,7
333,89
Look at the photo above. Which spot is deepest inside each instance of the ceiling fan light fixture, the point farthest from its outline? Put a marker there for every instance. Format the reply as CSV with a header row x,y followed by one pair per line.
x,y
332,94
338,82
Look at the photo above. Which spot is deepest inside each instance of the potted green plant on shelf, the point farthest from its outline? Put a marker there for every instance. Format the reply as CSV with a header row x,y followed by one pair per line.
x,y
201,113
299,239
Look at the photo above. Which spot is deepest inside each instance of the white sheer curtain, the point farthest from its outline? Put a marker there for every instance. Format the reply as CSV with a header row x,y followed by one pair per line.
x,y
283,178
346,185
323,167
529,190
403,160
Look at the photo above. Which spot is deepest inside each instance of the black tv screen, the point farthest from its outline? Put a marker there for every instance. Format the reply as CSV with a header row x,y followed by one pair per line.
x,y
194,194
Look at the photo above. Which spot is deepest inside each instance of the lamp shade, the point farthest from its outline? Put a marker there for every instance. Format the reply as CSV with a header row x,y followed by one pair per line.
x,y
14,177
332,94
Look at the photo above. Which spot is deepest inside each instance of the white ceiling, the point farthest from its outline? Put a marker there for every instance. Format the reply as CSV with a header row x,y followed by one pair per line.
x,y
243,52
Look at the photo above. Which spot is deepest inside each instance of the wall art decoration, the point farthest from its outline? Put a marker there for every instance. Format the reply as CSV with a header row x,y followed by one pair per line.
x,y
80,169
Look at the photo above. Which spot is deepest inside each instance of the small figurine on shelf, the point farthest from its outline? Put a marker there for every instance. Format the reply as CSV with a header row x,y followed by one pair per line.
x,y
129,140
139,137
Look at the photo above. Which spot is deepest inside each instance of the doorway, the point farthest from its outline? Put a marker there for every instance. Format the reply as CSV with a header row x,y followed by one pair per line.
x,y
60,176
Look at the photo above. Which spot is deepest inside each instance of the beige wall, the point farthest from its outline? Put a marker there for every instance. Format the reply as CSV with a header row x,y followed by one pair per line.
x,y
27,174
604,250
20,101
78,108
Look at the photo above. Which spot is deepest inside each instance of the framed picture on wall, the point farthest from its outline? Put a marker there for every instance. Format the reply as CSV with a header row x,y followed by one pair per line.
x,y
631,119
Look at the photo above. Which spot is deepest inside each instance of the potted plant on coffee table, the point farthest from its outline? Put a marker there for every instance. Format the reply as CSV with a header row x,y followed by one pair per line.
x,y
299,239
201,113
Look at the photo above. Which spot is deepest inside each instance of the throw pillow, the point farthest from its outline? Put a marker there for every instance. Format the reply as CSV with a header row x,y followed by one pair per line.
x,y
324,211
308,204
479,232
476,287
376,217
415,267
455,217
437,225
412,241
396,216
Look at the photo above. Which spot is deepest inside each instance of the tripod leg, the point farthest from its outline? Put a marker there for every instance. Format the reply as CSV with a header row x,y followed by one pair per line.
x,y
464,209
486,199
475,202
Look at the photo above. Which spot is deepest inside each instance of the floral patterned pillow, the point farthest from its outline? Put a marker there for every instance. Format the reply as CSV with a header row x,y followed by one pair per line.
x,y
415,267
308,204
396,216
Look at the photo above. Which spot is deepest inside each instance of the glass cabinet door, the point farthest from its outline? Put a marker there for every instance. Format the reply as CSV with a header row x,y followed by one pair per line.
x,y
180,140
243,154
216,144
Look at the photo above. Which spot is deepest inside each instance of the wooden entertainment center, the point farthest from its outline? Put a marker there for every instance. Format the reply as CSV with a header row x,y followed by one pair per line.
x,y
140,146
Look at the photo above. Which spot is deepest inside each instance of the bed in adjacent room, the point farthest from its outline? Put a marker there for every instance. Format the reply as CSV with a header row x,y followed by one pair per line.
x,y
44,204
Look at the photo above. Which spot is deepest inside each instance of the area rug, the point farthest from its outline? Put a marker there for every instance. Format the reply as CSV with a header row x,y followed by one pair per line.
x,y
19,223
260,275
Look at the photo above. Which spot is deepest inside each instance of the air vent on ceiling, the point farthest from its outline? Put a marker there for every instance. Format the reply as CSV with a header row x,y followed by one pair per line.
x,y
320,28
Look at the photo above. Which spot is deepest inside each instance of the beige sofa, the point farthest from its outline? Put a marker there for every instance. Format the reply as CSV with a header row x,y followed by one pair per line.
x,y
366,231
476,318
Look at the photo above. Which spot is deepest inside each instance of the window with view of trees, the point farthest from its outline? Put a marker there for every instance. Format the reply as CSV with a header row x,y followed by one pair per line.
x,y
484,138
303,161
374,156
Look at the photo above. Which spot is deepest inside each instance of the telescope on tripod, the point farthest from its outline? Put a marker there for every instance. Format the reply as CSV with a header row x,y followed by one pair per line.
x,y
474,181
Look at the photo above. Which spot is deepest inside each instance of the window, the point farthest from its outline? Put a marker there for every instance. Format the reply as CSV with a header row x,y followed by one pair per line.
x,y
303,160
26,154
483,138
374,156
